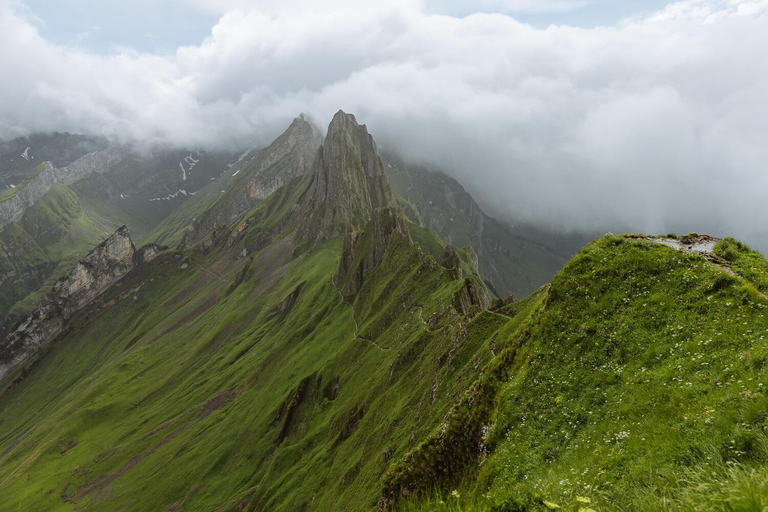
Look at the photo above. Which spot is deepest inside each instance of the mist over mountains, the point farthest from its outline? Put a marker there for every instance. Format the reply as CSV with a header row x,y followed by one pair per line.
x,y
401,256
639,126
320,327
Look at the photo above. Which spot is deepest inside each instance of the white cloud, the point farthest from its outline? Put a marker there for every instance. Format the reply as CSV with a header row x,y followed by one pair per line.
x,y
657,124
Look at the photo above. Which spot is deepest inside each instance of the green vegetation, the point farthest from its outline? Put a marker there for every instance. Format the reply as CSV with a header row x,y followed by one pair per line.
x,y
276,366
210,385
745,262
42,246
641,387
212,381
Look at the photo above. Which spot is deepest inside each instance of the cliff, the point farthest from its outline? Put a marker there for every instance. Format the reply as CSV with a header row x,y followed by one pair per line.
x,y
15,202
347,182
101,268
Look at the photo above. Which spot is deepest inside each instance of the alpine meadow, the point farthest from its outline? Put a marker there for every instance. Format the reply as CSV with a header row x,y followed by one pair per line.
x,y
519,270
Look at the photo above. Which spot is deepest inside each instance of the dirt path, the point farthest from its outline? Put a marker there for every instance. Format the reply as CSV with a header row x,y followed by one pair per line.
x,y
206,269
357,326
421,315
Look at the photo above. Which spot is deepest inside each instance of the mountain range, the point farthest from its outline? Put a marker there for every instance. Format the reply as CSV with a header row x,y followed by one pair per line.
x,y
315,325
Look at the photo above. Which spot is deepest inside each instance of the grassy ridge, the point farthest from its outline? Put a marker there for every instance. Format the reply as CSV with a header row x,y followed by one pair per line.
x,y
640,388
216,382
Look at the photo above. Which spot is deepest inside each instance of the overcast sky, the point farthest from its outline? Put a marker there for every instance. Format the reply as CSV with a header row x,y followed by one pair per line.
x,y
583,114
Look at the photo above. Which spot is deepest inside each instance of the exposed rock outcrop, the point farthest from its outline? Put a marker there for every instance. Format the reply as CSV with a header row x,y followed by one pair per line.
x,y
362,253
289,157
347,182
101,268
452,261
473,297
41,181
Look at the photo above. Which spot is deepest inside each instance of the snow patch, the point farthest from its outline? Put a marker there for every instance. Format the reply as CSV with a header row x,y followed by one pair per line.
x,y
240,159
190,161
236,173
171,196
25,155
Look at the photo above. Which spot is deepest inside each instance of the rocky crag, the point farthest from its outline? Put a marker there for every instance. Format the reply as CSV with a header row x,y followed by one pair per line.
x,y
287,158
347,182
102,267
15,202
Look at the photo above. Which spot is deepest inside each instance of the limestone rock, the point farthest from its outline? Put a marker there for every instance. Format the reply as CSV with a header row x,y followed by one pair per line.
x,y
473,297
289,157
101,268
452,261
347,182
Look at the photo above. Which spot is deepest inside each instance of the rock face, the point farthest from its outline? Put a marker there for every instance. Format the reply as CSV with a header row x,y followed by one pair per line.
x,y
347,182
451,260
362,253
513,259
40,182
101,268
20,157
473,297
289,157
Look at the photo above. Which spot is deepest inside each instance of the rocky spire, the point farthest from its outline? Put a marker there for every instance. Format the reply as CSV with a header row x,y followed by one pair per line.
x,y
347,182
288,157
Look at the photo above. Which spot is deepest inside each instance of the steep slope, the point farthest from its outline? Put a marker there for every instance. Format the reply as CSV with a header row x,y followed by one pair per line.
x,y
100,269
172,229
247,373
639,385
51,219
286,159
347,182
20,157
512,259
46,242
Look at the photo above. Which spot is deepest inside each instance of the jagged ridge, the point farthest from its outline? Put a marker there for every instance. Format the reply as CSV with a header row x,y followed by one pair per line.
x,y
101,268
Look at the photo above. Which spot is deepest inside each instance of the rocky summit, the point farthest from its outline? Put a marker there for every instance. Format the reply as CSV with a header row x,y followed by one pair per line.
x,y
346,182
298,336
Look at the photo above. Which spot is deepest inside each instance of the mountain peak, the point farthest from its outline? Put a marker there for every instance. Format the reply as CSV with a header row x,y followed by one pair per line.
x,y
347,181
343,120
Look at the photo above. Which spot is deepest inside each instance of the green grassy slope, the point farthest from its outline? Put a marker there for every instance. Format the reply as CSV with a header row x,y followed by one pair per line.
x,y
211,382
47,241
641,387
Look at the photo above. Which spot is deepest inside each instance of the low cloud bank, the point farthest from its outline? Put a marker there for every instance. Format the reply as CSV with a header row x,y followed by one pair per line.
x,y
657,124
